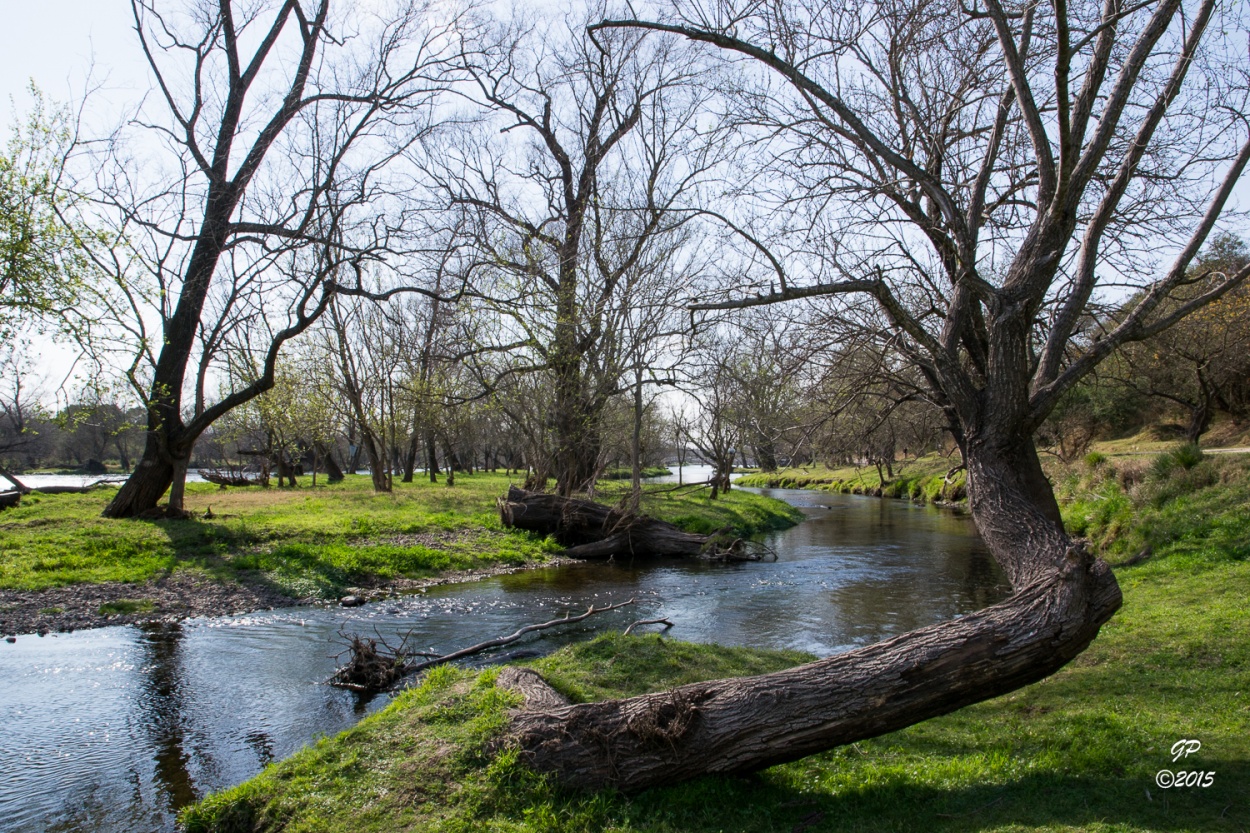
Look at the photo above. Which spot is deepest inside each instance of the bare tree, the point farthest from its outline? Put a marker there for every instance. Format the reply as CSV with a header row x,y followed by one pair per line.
x,y
279,123
22,417
978,171
575,206
1201,364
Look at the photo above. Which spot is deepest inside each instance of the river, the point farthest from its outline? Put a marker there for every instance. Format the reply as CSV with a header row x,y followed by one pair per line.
x,y
114,729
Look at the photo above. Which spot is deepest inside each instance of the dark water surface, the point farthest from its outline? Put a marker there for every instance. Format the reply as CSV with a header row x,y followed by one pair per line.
x,y
114,729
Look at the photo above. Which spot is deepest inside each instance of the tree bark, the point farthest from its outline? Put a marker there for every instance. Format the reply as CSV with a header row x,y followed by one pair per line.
x,y
18,486
410,457
146,485
333,473
431,457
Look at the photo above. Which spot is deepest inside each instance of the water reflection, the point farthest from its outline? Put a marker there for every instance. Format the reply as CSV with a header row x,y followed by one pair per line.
x,y
117,728
160,711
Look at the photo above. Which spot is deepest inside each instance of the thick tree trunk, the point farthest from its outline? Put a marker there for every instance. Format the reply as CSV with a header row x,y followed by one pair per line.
x,y
577,442
431,457
147,484
410,457
333,472
1200,413
766,456
1062,596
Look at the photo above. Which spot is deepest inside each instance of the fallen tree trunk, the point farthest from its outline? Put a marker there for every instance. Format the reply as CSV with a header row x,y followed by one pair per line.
x,y
8,500
18,486
591,530
1062,595
72,490
742,725
229,478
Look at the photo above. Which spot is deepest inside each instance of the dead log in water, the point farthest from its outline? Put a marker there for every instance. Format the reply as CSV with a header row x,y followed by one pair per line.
x,y
593,531
373,665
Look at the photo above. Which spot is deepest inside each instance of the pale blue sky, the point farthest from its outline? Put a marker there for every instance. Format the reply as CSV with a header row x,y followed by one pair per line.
x,y
56,42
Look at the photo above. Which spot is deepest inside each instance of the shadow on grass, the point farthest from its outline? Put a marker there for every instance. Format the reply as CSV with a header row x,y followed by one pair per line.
x,y
758,803
237,553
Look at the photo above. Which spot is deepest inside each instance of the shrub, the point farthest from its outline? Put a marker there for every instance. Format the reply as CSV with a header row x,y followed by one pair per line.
x,y
1095,459
1188,455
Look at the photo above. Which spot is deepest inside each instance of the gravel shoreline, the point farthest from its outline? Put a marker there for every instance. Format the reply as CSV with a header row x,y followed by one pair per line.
x,y
185,595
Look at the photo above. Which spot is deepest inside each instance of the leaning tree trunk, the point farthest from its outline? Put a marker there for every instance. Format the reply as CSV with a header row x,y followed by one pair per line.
x,y
1062,596
152,477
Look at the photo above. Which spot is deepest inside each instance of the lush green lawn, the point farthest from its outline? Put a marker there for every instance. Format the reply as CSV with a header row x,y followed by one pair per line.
x,y
1079,751
310,542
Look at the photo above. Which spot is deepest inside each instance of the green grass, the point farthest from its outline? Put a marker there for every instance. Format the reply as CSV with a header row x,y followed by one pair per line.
x,y
628,473
1197,515
310,542
1078,751
922,479
125,606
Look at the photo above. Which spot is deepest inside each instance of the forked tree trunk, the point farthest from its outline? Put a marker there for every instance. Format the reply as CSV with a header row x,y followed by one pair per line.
x,y
1062,596
152,477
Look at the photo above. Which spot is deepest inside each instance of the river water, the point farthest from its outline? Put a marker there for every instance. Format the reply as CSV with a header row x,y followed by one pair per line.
x,y
114,729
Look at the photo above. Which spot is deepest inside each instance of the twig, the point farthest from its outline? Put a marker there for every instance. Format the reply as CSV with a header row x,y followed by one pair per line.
x,y
667,624
388,666
513,637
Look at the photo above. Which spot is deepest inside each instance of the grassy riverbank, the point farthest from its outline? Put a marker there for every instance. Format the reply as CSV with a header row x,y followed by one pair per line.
x,y
923,479
311,542
1079,751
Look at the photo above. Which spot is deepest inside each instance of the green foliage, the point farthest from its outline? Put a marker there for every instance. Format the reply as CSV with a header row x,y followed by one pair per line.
x,y
922,480
1094,459
628,473
1188,455
613,665
1183,457
41,265
1199,514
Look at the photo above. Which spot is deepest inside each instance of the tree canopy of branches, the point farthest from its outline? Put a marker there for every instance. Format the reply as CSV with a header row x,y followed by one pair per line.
x,y
1202,363
40,262
572,227
978,171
